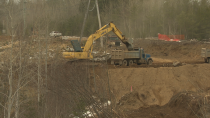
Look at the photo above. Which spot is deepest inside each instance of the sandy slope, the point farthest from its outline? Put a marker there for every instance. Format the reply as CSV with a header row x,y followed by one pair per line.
x,y
156,86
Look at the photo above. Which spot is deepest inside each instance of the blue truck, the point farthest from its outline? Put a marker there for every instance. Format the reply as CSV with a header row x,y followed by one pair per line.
x,y
128,58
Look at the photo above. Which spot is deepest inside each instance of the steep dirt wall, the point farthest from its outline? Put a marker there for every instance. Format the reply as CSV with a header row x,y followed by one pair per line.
x,y
156,86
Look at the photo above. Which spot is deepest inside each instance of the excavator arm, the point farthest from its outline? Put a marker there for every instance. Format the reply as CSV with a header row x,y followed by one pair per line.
x,y
120,36
102,32
86,52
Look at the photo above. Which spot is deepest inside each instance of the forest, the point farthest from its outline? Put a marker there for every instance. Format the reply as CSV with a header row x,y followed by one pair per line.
x,y
135,18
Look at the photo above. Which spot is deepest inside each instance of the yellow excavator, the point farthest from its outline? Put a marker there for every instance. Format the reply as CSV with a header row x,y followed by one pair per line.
x,y
86,51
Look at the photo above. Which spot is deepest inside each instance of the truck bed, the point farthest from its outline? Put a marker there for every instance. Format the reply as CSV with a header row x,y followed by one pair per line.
x,y
120,54
131,54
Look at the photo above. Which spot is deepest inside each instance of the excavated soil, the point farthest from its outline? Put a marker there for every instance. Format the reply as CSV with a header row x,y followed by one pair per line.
x,y
182,105
155,87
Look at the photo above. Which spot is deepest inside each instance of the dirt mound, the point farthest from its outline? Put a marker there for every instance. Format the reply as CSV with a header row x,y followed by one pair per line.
x,y
130,101
156,86
181,105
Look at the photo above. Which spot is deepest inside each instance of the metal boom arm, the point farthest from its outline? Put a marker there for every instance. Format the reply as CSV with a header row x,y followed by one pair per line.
x,y
102,32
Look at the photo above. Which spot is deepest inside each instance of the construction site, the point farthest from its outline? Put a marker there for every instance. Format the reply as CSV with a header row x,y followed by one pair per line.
x,y
104,59
175,85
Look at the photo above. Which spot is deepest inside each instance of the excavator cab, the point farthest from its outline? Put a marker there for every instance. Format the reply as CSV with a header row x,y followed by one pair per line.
x,y
76,45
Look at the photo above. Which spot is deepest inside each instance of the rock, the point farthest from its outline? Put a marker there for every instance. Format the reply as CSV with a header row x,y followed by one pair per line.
x,y
176,63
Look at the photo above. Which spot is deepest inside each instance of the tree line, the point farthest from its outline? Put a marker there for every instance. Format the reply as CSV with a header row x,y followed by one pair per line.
x,y
136,18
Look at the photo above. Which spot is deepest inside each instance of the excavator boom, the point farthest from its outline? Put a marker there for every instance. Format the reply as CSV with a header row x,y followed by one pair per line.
x,y
86,53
